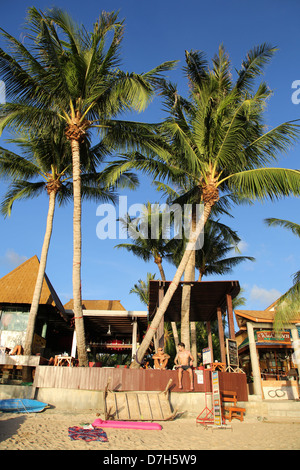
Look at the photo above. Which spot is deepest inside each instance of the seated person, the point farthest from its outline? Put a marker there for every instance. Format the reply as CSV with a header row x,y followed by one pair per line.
x,y
17,351
184,361
160,359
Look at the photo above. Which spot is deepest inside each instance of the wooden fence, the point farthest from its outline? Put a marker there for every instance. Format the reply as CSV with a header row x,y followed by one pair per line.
x,y
96,378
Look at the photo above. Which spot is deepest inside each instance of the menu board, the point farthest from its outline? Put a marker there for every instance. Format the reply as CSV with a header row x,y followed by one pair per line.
x,y
232,352
206,356
216,398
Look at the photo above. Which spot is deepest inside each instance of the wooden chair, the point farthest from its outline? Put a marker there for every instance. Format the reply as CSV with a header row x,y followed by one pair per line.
x,y
234,411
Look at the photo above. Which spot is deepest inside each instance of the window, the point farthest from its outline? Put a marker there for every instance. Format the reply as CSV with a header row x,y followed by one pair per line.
x,y
13,319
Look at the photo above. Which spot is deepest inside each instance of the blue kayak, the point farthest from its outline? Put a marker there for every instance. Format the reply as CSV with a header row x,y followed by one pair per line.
x,y
22,405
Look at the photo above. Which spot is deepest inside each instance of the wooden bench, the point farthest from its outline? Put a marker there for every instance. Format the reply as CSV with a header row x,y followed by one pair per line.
x,y
234,411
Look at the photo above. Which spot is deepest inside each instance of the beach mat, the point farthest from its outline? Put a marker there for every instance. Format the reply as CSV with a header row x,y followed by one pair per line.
x,y
77,433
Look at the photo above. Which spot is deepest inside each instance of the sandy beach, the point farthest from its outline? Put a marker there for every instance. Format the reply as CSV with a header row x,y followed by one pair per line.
x,y
49,431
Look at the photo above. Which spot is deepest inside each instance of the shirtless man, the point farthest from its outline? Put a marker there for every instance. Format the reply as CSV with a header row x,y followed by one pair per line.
x,y
184,361
160,359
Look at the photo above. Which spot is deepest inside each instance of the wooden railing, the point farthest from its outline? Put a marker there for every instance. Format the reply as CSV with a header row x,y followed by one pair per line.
x,y
96,378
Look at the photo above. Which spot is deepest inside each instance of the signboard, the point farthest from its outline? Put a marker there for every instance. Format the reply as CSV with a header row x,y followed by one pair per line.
x,y
200,376
266,336
206,356
232,353
216,398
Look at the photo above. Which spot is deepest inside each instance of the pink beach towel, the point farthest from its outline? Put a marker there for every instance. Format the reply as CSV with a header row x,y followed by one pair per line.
x,y
127,425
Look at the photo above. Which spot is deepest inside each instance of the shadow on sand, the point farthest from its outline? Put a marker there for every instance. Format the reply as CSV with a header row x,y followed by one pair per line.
x,y
10,425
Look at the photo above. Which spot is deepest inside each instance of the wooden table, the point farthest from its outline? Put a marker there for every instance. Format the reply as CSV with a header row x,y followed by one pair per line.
x,y
221,366
64,360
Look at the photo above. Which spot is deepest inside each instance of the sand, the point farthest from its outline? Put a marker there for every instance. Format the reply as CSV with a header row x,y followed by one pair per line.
x,y
49,431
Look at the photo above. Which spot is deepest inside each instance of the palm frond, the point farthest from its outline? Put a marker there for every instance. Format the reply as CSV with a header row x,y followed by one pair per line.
x,y
292,226
263,183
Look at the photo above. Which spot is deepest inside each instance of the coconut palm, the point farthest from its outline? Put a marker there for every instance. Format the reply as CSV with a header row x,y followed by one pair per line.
x,y
70,75
217,141
142,289
46,163
150,234
288,305
212,258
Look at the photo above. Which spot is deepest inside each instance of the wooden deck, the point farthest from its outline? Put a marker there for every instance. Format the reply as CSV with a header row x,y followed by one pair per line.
x,y
96,378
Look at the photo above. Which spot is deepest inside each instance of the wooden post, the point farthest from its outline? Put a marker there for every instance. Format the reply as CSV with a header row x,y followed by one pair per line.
x,y
209,338
221,335
74,344
230,317
160,330
134,338
254,360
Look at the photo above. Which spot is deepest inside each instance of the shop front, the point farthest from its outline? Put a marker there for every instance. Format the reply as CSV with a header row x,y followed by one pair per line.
x,y
268,358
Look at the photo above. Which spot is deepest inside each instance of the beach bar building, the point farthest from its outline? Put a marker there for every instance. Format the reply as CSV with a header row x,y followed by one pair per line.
x,y
269,359
110,328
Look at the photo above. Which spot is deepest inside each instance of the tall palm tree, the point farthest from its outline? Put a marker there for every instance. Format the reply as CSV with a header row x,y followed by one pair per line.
x,y
70,75
217,139
46,163
288,305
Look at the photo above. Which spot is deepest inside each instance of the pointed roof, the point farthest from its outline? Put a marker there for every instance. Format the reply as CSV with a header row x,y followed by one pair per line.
x,y
17,287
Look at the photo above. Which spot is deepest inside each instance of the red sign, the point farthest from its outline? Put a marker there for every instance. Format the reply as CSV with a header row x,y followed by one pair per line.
x,y
271,336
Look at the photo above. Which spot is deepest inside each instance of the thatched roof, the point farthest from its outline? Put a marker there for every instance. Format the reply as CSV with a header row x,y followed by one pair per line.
x,y
97,305
17,287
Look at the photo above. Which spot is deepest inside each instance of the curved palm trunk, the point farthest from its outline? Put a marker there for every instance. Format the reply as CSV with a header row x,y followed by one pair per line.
x,y
173,323
77,301
40,277
171,290
189,276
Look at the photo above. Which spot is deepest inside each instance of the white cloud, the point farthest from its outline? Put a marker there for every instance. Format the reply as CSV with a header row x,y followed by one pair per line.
x,y
12,259
264,296
242,246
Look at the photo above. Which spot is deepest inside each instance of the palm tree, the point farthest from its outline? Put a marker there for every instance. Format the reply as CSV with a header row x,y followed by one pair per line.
x,y
211,259
46,164
70,75
288,305
142,289
217,141
146,246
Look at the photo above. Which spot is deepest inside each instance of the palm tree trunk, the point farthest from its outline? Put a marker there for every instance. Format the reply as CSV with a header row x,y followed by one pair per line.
x,y
173,323
26,371
171,290
77,301
189,275
40,277
161,270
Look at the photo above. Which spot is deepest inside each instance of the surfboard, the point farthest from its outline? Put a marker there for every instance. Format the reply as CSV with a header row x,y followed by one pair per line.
x,y
22,405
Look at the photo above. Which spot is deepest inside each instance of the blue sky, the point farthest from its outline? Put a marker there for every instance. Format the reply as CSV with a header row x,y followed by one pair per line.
x,y
157,31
